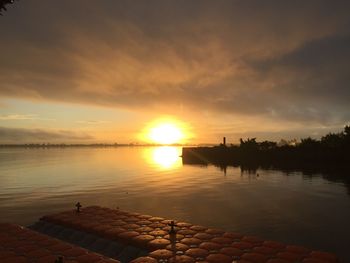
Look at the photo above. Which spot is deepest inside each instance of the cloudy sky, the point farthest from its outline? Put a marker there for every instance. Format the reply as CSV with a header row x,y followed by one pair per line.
x,y
102,71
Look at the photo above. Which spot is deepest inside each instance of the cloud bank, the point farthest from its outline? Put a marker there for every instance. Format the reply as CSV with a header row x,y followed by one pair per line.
x,y
20,135
275,59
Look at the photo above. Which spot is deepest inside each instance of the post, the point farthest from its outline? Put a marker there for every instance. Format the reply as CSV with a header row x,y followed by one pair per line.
x,y
224,141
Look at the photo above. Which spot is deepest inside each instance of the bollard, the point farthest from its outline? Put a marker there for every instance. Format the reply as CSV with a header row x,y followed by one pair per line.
x,y
78,206
172,230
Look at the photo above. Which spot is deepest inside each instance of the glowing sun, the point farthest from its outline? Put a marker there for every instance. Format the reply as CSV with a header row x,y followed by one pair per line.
x,y
166,133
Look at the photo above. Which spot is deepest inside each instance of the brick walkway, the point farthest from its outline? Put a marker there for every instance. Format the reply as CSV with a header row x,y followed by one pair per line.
x,y
110,248
190,244
22,245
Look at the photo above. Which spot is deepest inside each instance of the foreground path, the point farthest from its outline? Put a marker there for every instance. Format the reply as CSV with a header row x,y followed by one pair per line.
x,y
190,243
22,245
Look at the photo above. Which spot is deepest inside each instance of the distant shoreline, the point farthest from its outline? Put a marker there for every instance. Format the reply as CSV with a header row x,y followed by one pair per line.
x,y
332,149
87,145
63,145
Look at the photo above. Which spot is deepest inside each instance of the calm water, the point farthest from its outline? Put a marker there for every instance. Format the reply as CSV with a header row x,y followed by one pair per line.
x,y
293,208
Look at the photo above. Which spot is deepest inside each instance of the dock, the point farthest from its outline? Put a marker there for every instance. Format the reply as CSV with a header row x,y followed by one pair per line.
x,y
101,235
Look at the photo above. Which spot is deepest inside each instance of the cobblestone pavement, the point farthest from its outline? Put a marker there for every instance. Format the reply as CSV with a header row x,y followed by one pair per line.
x,y
22,245
110,248
190,243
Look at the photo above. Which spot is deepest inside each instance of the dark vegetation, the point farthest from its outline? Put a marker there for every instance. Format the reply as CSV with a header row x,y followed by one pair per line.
x,y
328,157
331,149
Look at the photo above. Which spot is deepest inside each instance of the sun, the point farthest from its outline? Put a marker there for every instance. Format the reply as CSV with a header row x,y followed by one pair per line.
x,y
165,133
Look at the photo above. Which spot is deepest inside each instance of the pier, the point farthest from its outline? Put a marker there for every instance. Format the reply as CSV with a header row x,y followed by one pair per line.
x,y
100,235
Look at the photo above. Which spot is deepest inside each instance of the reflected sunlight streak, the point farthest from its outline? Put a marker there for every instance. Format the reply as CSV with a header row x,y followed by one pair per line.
x,y
166,157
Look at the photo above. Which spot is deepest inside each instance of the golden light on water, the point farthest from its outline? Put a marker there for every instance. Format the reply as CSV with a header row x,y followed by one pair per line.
x,y
163,157
166,157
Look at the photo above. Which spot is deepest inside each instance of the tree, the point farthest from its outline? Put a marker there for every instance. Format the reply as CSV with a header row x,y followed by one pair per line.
x,y
267,145
309,143
332,140
249,144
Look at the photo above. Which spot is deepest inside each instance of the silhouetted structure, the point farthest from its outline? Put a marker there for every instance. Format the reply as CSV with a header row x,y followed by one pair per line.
x,y
331,149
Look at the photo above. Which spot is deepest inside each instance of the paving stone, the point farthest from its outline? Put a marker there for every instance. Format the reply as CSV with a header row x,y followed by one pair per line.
x,y
143,239
158,233
183,224
156,225
197,253
186,232
131,226
156,219
174,237
191,241
128,235
181,259
177,247
265,250
243,245
210,246
231,251
198,228
203,236
158,243
144,260
222,240
161,254
218,258
39,248
144,222
145,231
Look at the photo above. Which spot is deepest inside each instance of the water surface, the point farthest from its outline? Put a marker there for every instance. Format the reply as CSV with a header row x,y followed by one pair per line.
x,y
309,210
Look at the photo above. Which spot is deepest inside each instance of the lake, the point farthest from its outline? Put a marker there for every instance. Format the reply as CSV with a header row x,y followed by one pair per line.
x,y
295,207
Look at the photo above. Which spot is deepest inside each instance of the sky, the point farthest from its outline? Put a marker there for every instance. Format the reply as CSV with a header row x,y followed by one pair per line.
x,y
105,71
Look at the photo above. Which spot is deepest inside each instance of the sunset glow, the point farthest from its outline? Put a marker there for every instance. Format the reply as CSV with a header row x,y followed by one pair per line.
x,y
139,62
166,133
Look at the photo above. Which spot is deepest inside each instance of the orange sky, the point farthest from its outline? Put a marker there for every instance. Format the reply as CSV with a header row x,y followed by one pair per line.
x,y
89,72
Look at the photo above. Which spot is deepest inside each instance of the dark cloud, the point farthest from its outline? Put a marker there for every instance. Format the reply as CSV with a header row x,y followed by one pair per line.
x,y
20,135
278,59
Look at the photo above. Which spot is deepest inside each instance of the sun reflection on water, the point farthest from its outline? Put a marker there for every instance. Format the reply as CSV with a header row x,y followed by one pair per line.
x,y
166,157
